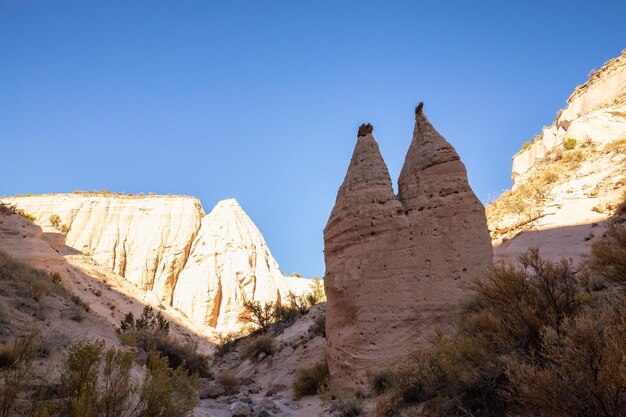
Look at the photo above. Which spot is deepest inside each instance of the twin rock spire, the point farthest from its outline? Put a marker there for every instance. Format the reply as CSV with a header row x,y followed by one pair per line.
x,y
396,265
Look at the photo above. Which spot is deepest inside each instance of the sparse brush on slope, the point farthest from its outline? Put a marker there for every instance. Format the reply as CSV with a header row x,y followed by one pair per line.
x,y
95,382
311,381
534,340
151,333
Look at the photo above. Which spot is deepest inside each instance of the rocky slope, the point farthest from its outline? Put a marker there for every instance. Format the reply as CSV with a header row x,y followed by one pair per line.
x,y
571,177
202,265
397,265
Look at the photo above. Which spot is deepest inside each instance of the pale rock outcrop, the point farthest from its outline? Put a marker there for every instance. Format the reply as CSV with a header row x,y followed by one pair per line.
x,y
204,266
146,240
229,262
595,111
397,265
590,180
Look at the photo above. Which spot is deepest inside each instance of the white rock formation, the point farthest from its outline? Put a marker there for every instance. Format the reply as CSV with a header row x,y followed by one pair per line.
x,y
589,180
201,265
232,256
596,111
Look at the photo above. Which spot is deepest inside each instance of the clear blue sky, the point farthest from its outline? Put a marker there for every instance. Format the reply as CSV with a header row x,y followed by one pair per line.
x,y
261,100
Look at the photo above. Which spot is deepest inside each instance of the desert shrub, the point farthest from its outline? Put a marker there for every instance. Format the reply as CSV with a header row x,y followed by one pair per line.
x,y
229,381
151,333
349,407
617,146
608,254
79,379
55,277
65,229
569,143
526,145
319,325
316,292
573,156
39,288
16,363
582,369
166,392
96,382
520,301
55,220
14,209
258,347
310,381
260,314
533,340
381,382
297,303
226,342
286,315
45,346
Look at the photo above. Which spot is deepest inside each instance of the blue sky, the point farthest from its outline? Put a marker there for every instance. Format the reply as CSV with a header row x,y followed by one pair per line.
x,y
261,100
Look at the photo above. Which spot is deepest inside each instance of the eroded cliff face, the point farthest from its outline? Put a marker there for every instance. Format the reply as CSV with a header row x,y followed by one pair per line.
x,y
241,266
595,111
397,265
570,179
201,265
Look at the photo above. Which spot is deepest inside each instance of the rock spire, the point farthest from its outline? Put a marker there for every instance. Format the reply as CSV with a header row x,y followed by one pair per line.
x,y
396,265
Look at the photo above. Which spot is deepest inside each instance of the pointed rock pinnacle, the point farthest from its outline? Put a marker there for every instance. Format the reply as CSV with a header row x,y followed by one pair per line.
x,y
365,129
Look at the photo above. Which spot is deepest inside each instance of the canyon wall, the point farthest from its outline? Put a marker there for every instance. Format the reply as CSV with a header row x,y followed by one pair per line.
x,y
570,179
202,265
595,111
397,265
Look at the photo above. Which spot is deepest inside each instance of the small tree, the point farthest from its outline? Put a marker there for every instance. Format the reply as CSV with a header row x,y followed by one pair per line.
x,y
262,315
316,292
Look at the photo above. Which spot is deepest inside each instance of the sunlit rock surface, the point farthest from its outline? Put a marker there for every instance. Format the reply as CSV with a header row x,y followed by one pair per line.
x,y
203,266
396,266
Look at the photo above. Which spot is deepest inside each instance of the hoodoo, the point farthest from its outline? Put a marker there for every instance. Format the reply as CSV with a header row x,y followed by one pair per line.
x,y
397,265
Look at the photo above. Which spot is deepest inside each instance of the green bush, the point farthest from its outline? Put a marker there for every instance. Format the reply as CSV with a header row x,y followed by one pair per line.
x,y
569,143
151,333
97,382
55,220
310,381
316,292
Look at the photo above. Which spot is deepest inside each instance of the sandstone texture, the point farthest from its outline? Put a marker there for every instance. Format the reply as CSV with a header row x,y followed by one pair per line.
x,y
396,265
231,255
202,265
569,180
595,111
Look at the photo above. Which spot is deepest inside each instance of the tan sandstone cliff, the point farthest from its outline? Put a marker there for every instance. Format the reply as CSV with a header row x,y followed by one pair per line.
x,y
202,265
397,265
571,177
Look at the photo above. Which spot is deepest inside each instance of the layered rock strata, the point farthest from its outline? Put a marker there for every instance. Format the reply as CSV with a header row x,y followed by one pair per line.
x,y
204,266
569,179
396,265
595,112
